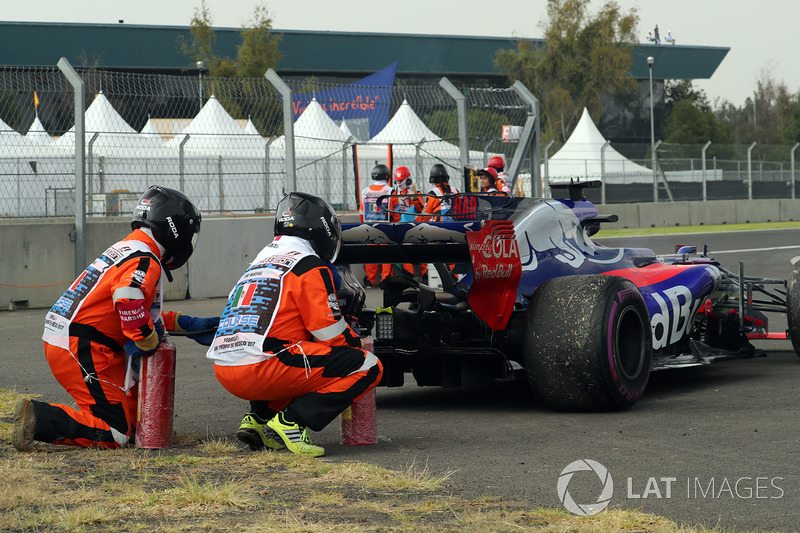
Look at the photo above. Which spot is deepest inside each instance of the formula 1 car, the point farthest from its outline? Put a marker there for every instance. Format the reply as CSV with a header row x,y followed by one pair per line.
x,y
538,299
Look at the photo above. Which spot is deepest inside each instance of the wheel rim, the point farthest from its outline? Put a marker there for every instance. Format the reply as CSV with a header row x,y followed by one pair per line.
x,y
630,344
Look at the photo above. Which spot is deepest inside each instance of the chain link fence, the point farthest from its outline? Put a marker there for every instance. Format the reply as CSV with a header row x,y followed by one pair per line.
x,y
221,141
682,172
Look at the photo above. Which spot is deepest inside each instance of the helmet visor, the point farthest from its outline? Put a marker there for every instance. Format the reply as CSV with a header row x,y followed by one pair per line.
x,y
338,232
336,251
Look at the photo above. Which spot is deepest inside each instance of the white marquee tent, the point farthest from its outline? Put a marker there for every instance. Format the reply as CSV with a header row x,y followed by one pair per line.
x,y
404,127
323,165
37,134
114,136
581,157
214,132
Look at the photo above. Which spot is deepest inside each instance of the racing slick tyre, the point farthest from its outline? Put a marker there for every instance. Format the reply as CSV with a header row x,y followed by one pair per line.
x,y
793,307
588,344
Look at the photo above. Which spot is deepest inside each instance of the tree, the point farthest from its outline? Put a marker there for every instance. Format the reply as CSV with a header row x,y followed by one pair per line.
x,y
792,133
583,59
690,119
687,123
771,116
682,90
259,49
257,53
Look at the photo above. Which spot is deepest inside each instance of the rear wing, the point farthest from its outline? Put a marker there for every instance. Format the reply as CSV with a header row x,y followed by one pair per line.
x,y
433,241
406,242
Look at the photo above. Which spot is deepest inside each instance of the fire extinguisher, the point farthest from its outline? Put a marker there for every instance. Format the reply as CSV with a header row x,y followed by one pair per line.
x,y
359,422
156,398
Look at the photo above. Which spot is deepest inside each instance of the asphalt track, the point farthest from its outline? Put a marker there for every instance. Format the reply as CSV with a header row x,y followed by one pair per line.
x,y
715,445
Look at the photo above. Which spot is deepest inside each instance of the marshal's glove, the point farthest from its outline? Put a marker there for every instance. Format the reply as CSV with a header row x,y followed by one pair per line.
x,y
137,352
205,327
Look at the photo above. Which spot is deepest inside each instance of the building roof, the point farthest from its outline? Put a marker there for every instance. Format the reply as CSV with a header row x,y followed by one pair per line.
x,y
133,47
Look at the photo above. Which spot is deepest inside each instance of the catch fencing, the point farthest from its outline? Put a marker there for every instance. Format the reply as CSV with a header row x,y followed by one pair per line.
x,y
223,142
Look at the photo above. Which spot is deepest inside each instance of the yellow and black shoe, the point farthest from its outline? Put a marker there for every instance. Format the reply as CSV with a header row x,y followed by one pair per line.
x,y
294,437
257,435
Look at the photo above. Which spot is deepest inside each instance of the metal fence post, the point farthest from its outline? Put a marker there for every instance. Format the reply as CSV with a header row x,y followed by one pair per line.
x,y
791,158
418,157
80,163
181,162
750,170
486,153
546,168
530,140
345,162
266,173
655,175
703,153
90,172
288,127
655,171
461,108
603,172
221,185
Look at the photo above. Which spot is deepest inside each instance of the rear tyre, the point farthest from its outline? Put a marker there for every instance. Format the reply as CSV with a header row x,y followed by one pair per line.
x,y
588,344
793,307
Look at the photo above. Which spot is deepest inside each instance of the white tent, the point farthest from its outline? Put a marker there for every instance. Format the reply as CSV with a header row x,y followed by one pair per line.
x,y
323,165
114,135
37,134
250,128
314,123
415,146
581,157
214,132
346,130
9,136
404,127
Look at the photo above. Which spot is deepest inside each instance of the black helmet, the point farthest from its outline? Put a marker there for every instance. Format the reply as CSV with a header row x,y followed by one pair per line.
x,y
439,174
174,220
382,172
312,218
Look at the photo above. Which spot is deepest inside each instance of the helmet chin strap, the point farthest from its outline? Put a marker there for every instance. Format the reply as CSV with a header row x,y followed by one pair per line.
x,y
165,268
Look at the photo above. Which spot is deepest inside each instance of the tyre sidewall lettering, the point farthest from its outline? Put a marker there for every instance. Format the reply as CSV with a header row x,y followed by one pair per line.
x,y
626,390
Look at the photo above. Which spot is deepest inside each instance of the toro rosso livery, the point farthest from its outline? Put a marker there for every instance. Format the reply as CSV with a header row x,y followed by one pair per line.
x,y
526,293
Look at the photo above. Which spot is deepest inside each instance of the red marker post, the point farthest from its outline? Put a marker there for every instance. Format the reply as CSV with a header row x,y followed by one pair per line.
x,y
156,398
360,421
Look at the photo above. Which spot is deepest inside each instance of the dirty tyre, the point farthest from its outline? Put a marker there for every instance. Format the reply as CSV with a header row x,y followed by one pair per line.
x,y
793,307
588,344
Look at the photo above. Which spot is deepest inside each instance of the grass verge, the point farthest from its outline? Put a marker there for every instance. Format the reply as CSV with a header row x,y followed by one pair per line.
x,y
219,485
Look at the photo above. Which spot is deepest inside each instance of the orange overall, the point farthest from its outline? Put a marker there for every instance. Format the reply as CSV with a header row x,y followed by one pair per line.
x,y
115,300
283,344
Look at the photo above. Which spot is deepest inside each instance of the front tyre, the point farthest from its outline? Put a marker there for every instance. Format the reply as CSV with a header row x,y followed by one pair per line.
x,y
588,344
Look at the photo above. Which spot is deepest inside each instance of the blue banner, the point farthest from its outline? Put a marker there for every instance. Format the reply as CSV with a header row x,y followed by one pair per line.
x,y
368,98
